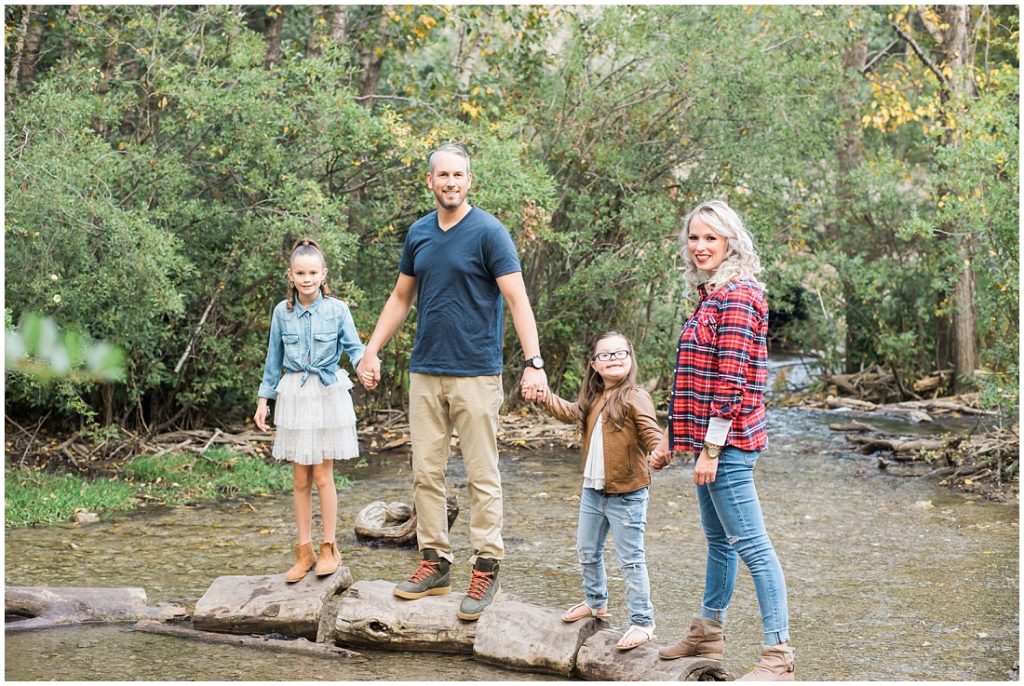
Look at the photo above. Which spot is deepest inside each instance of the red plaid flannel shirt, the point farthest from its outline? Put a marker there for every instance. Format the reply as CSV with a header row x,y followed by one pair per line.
x,y
722,369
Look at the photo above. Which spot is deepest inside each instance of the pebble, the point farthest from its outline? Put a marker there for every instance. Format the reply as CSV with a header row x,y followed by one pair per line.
x,y
85,518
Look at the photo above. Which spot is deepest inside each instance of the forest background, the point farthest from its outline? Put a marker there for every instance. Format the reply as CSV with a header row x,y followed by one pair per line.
x,y
160,161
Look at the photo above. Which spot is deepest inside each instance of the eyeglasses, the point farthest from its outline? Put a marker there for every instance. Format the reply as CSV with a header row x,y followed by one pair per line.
x,y
617,355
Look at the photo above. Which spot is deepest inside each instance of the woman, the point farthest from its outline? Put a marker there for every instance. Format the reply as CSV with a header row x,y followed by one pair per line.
x,y
717,412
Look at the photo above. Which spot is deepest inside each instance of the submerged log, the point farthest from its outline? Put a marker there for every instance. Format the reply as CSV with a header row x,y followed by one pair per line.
x,y
299,646
600,660
394,523
871,444
530,638
28,607
267,604
370,615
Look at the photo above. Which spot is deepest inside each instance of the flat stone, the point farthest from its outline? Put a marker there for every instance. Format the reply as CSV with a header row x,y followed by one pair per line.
x,y
599,660
525,637
267,604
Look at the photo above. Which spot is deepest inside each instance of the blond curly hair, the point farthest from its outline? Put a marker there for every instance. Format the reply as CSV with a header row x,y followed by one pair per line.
x,y
741,261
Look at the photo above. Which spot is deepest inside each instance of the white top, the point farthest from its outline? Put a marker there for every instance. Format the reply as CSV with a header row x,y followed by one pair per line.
x,y
593,472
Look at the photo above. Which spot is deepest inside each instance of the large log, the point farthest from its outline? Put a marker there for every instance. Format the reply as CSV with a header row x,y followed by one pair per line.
x,y
39,607
370,615
298,646
600,660
530,638
267,604
394,523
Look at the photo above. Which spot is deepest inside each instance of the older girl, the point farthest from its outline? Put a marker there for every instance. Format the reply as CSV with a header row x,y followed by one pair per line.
x,y
717,413
315,420
619,428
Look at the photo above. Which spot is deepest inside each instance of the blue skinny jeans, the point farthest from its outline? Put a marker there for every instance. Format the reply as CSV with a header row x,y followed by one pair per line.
x,y
734,527
625,516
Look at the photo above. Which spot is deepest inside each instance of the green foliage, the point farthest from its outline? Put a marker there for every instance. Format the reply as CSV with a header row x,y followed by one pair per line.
x,y
160,171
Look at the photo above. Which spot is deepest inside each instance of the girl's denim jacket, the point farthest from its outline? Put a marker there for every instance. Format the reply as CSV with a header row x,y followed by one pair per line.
x,y
310,340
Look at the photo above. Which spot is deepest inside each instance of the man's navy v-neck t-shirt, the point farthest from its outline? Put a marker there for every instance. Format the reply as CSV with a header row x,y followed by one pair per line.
x,y
458,319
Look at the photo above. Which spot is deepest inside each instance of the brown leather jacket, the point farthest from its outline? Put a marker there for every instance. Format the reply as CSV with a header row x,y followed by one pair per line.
x,y
625,449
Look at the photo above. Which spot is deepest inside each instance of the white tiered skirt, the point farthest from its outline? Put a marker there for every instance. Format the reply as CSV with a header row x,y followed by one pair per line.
x,y
314,422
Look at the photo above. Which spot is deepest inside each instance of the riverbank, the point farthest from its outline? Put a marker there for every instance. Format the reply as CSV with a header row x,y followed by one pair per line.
x,y
51,495
53,477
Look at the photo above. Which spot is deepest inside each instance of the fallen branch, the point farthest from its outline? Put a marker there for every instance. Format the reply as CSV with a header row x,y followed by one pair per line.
x,y
299,646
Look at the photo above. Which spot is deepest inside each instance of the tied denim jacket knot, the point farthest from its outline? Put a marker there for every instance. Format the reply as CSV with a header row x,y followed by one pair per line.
x,y
310,340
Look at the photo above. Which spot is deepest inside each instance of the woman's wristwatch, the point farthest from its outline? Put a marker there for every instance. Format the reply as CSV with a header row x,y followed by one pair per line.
x,y
712,450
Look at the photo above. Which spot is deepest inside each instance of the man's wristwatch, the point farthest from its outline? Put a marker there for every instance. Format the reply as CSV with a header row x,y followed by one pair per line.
x,y
712,450
537,362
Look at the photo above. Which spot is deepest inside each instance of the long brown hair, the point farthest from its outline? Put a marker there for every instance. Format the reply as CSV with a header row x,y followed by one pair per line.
x,y
302,248
616,410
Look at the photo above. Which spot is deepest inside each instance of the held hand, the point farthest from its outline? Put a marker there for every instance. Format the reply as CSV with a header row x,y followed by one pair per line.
x,y
261,415
706,469
534,384
368,371
661,456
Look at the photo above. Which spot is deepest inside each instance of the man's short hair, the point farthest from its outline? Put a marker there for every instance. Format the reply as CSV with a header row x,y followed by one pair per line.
x,y
453,148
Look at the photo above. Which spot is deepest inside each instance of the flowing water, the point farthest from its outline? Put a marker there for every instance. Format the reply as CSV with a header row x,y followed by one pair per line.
x,y
889,578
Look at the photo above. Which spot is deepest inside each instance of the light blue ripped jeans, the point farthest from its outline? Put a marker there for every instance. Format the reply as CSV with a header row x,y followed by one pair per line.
x,y
625,516
734,527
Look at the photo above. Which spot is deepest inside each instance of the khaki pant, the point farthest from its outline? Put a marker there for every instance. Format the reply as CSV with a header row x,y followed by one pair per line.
x,y
470,404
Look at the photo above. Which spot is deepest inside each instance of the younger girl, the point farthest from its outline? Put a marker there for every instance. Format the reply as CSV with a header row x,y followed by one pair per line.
x,y
619,428
316,423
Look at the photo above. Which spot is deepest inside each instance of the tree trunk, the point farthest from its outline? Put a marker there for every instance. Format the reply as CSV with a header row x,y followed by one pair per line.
x,y
19,48
275,21
316,30
30,56
373,59
957,48
860,343
74,16
339,24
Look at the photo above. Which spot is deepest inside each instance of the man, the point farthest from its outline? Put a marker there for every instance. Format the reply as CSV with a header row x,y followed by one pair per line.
x,y
458,263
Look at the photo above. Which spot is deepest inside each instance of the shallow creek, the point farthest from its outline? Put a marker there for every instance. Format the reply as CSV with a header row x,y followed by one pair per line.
x,y
889,578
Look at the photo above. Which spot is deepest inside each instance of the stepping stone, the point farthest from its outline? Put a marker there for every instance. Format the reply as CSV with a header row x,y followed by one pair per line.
x,y
267,604
530,638
600,660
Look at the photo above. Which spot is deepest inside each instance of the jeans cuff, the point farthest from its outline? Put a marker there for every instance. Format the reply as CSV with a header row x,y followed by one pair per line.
x,y
772,638
710,613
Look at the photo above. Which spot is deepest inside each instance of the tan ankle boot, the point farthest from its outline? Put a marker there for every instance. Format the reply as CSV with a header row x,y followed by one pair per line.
x,y
330,558
304,561
777,664
705,639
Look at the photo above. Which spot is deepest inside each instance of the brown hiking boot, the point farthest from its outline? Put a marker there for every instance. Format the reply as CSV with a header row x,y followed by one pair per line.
x,y
777,664
304,561
330,558
705,639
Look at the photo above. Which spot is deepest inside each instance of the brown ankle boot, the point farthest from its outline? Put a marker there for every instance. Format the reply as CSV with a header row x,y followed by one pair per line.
x,y
330,558
304,561
776,664
705,639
